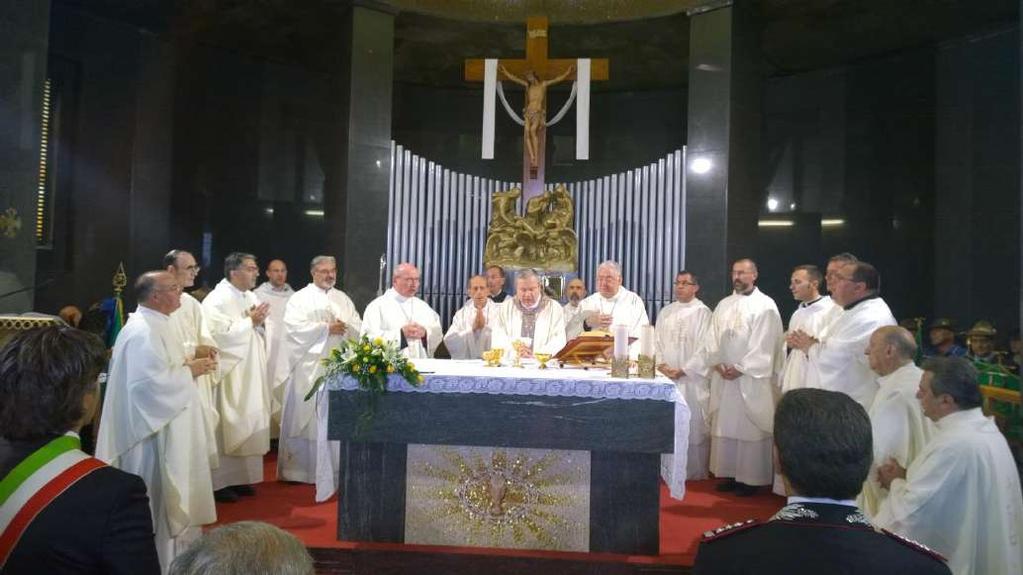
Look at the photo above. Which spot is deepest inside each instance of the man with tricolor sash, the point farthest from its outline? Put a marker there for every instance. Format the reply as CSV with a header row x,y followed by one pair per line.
x,y
62,511
153,422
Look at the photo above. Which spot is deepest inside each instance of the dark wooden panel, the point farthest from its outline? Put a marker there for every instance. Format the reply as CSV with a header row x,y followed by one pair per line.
x,y
624,502
644,426
371,503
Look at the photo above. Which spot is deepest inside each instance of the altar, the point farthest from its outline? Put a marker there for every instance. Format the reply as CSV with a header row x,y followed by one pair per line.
x,y
598,439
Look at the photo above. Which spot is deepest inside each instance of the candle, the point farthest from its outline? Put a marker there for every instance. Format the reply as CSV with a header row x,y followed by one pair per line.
x,y
621,335
646,340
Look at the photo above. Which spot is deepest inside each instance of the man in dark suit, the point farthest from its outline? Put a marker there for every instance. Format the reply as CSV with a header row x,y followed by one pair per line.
x,y
62,511
823,450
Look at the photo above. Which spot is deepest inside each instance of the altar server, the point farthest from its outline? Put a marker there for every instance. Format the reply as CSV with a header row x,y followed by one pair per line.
x,y
810,317
152,422
531,318
744,351
236,319
401,317
318,318
470,332
681,327
961,495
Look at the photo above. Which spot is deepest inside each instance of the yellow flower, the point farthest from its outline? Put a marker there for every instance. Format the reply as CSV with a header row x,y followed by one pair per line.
x,y
372,369
378,341
390,369
420,378
355,367
365,348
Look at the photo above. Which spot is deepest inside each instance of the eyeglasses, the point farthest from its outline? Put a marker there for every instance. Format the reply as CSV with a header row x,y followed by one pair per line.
x,y
685,283
193,269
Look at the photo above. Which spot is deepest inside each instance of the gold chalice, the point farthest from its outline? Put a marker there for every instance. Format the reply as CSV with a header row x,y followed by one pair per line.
x,y
493,357
543,358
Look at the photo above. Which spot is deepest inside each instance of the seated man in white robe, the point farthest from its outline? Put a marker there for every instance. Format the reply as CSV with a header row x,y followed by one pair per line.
x,y
400,317
318,318
809,318
900,429
152,422
575,291
276,292
188,323
613,305
743,350
681,328
470,332
961,495
837,361
236,319
530,322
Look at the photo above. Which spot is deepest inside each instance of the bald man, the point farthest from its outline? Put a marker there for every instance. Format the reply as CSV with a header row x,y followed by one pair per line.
x,y
900,428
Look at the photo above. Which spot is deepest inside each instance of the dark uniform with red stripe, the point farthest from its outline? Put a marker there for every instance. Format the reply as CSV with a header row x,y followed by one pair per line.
x,y
100,525
813,538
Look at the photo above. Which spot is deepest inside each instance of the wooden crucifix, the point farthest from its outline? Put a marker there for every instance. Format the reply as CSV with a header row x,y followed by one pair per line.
x,y
535,73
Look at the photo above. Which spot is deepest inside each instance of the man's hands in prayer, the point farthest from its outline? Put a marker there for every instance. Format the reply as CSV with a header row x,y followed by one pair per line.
x,y
413,331
670,372
258,313
206,351
201,366
890,471
481,320
727,372
337,327
598,321
800,340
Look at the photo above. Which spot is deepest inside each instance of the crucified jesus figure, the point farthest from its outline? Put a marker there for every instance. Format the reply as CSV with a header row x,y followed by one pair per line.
x,y
535,113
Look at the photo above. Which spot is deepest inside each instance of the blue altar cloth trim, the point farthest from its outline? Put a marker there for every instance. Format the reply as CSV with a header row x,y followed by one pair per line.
x,y
436,383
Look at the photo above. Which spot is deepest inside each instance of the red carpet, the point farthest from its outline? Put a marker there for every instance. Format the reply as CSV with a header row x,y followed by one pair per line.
x,y
292,508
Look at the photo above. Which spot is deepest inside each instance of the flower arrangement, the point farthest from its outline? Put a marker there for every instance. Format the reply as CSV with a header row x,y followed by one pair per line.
x,y
370,362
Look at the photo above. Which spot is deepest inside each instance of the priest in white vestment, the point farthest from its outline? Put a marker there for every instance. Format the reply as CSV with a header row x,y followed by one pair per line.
x,y
318,319
743,350
471,329
961,495
236,319
275,292
681,328
152,422
899,426
400,317
612,305
837,360
575,291
809,318
530,322
187,322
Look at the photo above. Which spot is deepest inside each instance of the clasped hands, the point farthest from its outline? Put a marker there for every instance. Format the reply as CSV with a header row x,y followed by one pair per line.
x,y
728,372
258,313
204,361
889,471
800,340
413,331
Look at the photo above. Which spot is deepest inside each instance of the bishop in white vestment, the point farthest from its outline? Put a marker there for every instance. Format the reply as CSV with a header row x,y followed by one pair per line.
x,y
276,293
472,327
837,361
152,422
400,317
810,318
530,318
744,351
961,495
236,320
899,426
613,305
681,328
319,318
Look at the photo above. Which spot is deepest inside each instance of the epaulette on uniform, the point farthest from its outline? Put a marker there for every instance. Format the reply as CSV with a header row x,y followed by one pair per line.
x,y
730,529
915,545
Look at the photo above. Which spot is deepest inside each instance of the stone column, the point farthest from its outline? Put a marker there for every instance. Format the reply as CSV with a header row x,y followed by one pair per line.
x,y
723,144
358,177
23,55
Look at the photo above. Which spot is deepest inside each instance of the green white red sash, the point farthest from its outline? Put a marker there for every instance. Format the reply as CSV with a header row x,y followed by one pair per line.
x,y
35,483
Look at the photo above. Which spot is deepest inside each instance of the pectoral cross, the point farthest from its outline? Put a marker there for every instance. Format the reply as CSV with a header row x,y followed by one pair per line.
x,y
535,73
